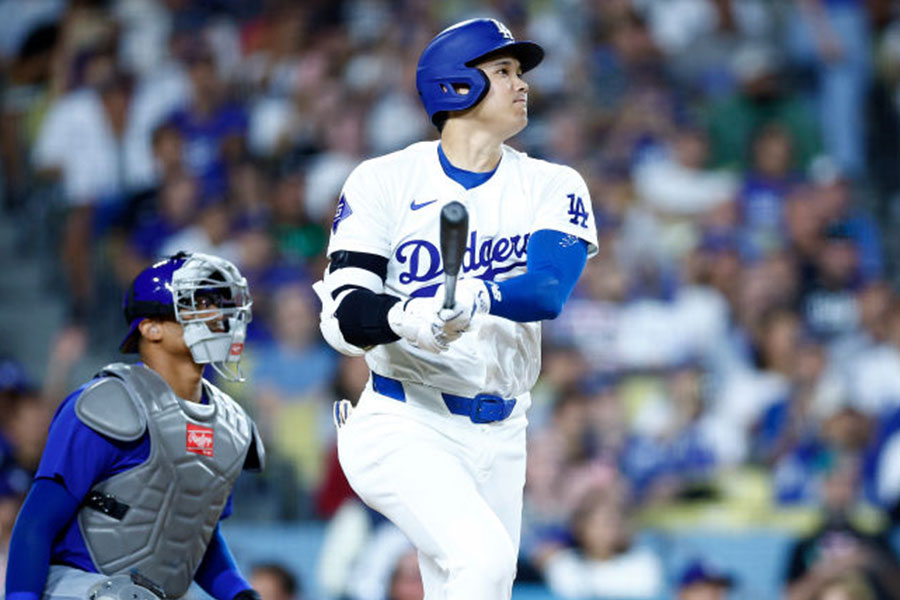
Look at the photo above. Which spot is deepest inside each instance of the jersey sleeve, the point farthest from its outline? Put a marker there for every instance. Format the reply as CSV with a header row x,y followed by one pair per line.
x,y
361,218
564,204
75,454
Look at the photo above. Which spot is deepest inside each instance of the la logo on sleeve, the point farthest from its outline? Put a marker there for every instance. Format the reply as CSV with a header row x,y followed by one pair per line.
x,y
200,439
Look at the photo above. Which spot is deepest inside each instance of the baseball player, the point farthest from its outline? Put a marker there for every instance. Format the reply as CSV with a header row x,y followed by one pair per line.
x,y
436,441
140,461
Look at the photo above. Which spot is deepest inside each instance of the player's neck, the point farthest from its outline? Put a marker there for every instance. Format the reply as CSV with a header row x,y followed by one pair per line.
x,y
183,376
469,148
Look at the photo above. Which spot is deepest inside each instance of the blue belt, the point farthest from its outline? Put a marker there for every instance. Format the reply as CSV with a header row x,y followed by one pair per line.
x,y
483,408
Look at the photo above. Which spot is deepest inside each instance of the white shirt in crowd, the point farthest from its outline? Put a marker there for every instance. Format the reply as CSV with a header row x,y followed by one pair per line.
x,y
76,137
636,573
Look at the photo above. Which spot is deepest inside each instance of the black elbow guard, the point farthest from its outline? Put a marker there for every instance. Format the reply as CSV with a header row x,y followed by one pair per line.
x,y
362,317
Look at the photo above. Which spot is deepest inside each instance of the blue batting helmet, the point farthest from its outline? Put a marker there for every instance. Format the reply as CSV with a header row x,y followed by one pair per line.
x,y
150,296
449,58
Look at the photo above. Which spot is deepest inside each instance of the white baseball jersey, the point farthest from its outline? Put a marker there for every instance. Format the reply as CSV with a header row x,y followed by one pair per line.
x,y
390,207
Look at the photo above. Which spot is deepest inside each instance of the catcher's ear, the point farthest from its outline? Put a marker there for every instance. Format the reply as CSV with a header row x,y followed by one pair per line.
x,y
151,330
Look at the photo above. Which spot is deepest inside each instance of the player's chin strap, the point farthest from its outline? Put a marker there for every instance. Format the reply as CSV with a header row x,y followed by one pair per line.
x,y
328,323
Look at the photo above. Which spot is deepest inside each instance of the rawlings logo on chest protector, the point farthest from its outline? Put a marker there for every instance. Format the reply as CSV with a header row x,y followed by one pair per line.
x,y
200,439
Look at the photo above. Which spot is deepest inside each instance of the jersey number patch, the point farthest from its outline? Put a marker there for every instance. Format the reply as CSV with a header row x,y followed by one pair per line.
x,y
577,211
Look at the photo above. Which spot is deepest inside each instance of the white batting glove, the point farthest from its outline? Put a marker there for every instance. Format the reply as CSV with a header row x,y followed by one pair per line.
x,y
416,321
472,298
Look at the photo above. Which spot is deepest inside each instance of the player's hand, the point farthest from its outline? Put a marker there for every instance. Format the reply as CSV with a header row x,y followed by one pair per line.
x,y
417,322
472,298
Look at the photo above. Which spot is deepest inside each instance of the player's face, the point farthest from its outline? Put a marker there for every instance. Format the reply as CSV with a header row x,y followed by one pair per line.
x,y
505,108
206,309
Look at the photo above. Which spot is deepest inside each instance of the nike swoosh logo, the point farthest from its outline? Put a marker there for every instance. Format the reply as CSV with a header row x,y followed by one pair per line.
x,y
414,206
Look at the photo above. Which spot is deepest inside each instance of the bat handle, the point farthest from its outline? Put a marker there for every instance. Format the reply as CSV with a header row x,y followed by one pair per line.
x,y
449,290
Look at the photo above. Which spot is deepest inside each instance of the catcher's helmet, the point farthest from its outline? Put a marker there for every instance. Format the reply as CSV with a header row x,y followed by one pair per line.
x,y
206,294
449,58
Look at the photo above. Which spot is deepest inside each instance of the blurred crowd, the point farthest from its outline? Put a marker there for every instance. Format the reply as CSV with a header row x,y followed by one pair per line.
x,y
731,357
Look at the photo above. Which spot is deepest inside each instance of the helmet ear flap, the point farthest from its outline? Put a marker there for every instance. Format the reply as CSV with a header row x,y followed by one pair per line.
x,y
448,99
485,88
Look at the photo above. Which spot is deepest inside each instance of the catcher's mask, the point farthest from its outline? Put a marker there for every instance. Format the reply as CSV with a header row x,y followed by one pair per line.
x,y
207,295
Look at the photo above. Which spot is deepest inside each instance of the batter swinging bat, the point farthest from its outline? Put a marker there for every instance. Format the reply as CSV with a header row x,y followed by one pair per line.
x,y
454,229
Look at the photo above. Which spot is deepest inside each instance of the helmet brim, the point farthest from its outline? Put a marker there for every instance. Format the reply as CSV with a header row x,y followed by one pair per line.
x,y
527,53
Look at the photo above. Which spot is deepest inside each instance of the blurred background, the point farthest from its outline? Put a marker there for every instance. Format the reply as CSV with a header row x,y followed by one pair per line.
x,y
719,410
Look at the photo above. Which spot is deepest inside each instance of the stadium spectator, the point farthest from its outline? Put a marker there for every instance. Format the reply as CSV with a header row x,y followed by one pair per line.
x,y
839,547
765,378
299,238
700,580
210,233
176,208
27,94
874,302
605,561
274,581
677,447
213,127
835,200
764,191
762,97
830,283
23,424
815,393
23,427
79,142
677,184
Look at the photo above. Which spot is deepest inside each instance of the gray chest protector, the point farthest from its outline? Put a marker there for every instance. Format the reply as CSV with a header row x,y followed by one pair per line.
x,y
154,521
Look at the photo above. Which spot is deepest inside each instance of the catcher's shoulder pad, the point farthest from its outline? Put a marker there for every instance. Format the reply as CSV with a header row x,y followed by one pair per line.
x,y
107,407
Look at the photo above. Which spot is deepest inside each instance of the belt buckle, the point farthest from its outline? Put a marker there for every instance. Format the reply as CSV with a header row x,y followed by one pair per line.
x,y
487,408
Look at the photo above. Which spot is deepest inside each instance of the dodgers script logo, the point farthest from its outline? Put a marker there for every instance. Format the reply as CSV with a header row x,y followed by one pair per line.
x,y
422,259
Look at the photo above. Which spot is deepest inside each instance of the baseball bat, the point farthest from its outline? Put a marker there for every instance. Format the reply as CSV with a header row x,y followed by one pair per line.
x,y
454,229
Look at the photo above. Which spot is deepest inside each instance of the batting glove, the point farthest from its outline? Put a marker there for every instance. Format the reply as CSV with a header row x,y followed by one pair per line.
x,y
417,322
472,298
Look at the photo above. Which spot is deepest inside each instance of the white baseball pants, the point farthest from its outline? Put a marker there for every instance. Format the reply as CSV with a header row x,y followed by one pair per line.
x,y
452,486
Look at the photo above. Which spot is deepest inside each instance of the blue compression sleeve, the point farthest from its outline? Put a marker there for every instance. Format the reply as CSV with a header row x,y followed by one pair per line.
x,y
46,510
217,574
555,261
